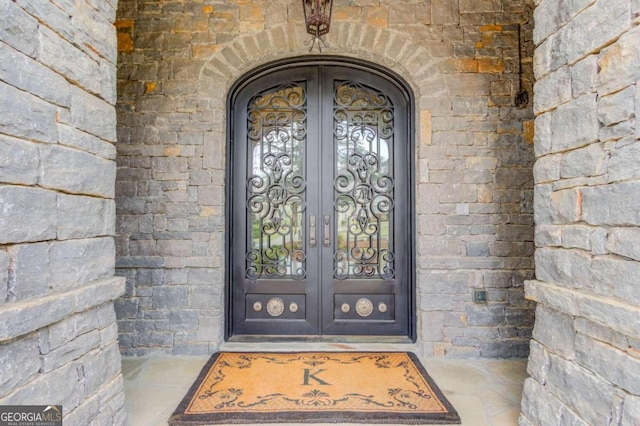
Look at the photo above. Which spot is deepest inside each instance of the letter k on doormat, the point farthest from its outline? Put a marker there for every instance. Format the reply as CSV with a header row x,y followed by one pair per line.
x,y
314,387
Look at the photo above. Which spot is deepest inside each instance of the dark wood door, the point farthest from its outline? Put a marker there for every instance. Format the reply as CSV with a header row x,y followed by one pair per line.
x,y
321,219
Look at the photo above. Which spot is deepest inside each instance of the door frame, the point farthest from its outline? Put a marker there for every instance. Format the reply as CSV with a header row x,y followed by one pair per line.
x,y
315,60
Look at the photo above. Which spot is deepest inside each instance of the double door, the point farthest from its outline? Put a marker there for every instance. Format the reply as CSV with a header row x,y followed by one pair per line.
x,y
320,227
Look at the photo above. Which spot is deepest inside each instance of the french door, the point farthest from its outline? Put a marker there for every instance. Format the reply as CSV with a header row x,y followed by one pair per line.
x,y
320,217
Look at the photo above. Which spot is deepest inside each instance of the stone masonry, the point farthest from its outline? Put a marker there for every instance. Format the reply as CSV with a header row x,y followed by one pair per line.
x,y
473,165
58,332
585,352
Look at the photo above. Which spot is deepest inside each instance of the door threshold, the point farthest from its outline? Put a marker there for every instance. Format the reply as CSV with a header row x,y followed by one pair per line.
x,y
319,339
313,343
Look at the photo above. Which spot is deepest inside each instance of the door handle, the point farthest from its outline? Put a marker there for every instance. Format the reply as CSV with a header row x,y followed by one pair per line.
x,y
326,233
312,231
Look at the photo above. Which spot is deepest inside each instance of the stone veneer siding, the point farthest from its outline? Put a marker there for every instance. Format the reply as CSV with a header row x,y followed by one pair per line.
x,y
585,352
58,332
473,168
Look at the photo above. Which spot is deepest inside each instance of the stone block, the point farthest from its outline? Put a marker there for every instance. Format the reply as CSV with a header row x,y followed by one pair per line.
x,y
538,363
182,320
440,246
28,75
59,387
613,204
556,331
72,63
574,124
63,332
584,76
27,214
486,316
616,277
547,168
93,115
75,263
19,161
577,236
126,308
20,359
96,29
544,408
468,84
458,193
542,134
170,297
70,136
625,242
618,62
596,27
567,268
552,90
617,107
612,364
602,334
18,29
30,275
594,402
70,351
548,236
623,164
478,249
566,206
83,217
504,348
631,410
588,161
26,116
444,12
101,368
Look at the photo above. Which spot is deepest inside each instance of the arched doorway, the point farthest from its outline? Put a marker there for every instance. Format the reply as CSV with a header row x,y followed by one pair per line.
x,y
320,203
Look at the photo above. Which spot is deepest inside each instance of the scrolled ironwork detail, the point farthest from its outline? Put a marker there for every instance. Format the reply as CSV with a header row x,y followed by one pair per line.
x,y
276,184
363,182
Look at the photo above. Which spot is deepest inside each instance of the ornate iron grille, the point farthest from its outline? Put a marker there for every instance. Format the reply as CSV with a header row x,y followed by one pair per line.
x,y
363,182
276,184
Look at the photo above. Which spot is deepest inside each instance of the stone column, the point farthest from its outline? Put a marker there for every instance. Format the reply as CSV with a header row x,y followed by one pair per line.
x,y
58,335
585,358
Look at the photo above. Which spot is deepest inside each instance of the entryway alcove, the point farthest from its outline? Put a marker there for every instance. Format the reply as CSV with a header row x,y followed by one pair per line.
x,y
320,202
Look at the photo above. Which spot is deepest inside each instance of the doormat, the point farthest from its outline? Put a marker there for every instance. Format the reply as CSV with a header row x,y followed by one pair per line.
x,y
314,387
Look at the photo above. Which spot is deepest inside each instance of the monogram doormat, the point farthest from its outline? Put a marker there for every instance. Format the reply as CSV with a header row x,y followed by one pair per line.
x,y
314,387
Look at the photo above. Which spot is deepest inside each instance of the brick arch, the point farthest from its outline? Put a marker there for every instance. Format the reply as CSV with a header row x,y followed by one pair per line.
x,y
382,46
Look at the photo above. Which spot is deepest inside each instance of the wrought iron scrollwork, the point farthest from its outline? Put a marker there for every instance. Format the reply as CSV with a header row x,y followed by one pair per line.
x,y
276,198
363,183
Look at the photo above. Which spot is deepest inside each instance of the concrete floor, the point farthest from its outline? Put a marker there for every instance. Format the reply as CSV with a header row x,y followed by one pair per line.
x,y
484,392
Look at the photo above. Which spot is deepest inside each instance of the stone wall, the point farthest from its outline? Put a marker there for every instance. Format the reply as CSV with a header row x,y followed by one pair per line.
x,y
473,168
58,333
585,352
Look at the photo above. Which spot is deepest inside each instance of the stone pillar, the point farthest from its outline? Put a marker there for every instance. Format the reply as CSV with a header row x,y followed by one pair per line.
x,y
585,358
58,335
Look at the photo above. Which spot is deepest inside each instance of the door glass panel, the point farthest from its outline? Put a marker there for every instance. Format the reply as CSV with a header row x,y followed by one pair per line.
x,y
276,183
363,182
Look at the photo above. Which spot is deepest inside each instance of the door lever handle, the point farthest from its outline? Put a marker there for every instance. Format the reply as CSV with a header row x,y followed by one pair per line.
x,y
326,233
312,231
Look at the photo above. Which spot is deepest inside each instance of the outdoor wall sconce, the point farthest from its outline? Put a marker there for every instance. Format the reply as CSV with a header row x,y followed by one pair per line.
x,y
317,18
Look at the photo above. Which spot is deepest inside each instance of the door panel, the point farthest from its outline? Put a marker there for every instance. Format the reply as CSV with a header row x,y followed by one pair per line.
x,y
321,224
272,261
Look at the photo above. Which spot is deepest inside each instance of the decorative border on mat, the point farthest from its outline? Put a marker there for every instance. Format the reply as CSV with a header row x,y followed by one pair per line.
x,y
178,418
